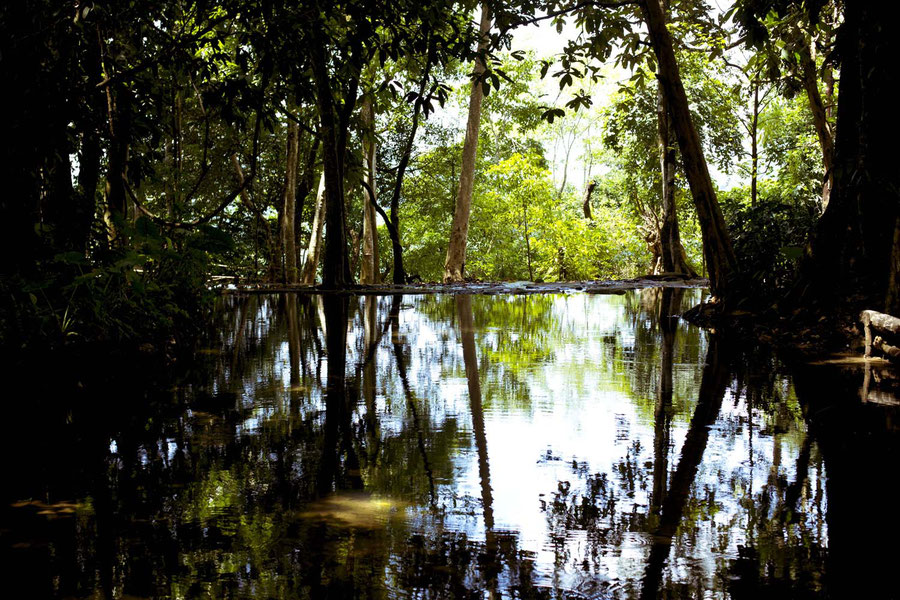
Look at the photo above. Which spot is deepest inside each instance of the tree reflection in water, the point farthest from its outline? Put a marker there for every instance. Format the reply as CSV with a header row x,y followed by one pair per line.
x,y
543,446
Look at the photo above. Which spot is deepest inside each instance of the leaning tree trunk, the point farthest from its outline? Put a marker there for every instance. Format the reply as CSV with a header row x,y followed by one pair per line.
x,y
314,247
368,270
674,258
288,237
717,249
820,119
455,264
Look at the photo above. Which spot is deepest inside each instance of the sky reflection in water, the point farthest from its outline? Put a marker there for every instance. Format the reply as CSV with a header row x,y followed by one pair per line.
x,y
573,446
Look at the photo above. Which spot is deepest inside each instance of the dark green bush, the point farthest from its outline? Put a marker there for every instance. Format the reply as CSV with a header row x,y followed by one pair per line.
x,y
769,237
152,293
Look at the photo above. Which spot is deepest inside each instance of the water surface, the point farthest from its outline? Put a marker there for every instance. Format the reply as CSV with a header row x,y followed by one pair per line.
x,y
548,446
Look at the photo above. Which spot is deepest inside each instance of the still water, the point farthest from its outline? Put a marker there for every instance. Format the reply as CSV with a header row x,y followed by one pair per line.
x,y
547,446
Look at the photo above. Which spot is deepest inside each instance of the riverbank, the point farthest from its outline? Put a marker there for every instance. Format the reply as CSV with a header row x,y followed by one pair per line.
x,y
481,288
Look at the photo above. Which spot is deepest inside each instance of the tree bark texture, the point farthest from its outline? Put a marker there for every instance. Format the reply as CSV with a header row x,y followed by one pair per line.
x,y
119,111
368,270
336,265
820,120
855,239
717,249
314,247
288,236
754,144
892,301
674,258
455,264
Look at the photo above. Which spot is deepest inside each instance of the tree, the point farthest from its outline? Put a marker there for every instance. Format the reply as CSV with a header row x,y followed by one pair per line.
x,y
455,264
720,259
368,271
855,251
288,237
787,45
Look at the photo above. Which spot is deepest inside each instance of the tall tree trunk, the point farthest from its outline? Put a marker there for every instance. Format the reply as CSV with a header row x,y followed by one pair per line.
x,y
455,264
754,143
892,302
118,110
89,157
88,178
674,258
368,270
854,240
820,119
288,236
336,265
314,247
717,249
399,276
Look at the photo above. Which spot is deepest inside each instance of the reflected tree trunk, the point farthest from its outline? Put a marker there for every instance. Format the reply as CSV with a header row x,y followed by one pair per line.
x,y
712,389
236,352
292,312
466,322
370,324
397,341
669,303
467,337
859,446
335,314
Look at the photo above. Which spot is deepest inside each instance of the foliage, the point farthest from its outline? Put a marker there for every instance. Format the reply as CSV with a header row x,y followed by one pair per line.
x,y
152,292
791,149
138,121
769,237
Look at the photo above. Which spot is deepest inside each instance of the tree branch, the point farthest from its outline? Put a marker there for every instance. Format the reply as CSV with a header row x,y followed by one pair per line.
x,y
371,194
570,9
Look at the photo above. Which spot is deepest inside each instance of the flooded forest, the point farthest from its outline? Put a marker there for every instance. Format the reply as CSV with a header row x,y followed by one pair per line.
x,y
438,299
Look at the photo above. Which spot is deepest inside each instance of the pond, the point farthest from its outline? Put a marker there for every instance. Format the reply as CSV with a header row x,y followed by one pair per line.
x,y
545,446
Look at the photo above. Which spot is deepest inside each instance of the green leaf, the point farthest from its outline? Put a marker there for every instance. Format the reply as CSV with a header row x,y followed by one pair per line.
x,y
792,252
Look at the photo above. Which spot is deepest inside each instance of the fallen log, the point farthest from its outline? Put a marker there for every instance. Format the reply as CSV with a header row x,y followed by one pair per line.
x,y
880,323
889,350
